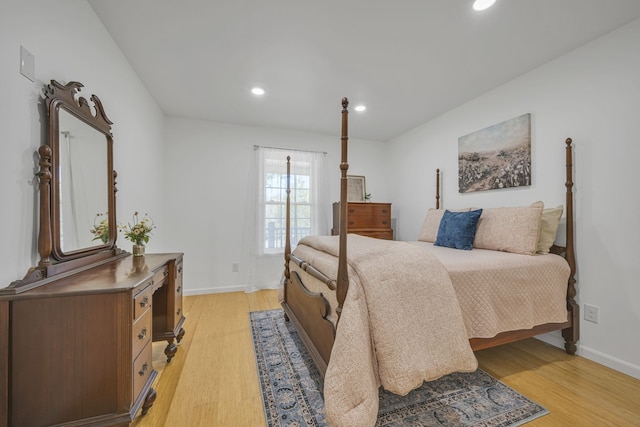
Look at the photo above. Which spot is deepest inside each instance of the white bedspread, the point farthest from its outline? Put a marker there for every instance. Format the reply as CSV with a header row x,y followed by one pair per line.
x,y
401,325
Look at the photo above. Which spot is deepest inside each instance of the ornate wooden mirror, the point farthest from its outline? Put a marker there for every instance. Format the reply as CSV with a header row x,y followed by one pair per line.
x,y
76,185
82,196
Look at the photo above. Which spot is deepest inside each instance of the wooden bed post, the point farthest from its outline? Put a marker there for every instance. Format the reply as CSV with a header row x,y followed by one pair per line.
x,y
287,242
437,188
343,275
571,334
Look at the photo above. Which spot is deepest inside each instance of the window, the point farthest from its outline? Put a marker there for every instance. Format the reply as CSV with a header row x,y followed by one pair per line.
x,y
305,185
275,206
264,233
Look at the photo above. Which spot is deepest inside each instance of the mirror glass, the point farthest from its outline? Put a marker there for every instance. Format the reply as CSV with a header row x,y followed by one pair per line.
x,y
83,184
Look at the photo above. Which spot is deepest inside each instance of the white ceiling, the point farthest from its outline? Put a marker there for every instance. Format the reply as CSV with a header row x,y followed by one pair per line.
x,y
407,60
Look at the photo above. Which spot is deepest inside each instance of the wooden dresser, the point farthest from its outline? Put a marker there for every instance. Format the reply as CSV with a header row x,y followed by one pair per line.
x,y
77,350
367,219
76,330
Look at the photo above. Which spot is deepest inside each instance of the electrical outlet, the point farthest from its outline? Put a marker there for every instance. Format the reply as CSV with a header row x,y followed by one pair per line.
x,y
235,267
591,313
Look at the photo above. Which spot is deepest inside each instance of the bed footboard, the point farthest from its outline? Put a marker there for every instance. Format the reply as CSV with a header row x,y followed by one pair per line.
x,y
305,309
308,312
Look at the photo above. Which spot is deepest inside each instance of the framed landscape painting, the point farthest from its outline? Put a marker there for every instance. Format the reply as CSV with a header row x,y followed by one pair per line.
x,y
496,157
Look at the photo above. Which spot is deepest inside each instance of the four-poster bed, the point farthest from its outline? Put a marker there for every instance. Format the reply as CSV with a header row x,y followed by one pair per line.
x,y
320,272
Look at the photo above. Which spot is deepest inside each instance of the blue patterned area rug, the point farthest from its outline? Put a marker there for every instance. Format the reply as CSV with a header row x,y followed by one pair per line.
x,y
292,389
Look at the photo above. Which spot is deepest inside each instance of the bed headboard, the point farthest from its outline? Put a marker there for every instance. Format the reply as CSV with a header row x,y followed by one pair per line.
x,y
567,251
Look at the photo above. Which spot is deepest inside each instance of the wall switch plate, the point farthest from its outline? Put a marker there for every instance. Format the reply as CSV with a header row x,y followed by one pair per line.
x,y
235,267
27,64
591,313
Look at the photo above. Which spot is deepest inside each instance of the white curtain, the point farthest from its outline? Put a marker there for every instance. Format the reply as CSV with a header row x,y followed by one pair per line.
x,y
264,231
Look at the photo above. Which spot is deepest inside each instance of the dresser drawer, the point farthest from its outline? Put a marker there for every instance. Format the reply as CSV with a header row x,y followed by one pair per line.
x,y
142,302
141,333
366,215
378,234
160,277
178,294
363,215
142,370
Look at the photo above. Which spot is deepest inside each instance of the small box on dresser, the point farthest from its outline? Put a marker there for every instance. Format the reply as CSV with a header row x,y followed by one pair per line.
x,y
366,219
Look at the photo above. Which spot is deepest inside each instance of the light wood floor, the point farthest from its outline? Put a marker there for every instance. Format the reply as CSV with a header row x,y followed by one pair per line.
x,y
212,381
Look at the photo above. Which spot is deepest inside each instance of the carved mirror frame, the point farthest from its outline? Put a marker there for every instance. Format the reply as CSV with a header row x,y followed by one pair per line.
x,y
90,111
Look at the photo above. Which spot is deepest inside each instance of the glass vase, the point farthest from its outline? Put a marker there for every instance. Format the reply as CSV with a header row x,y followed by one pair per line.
x,y
138,250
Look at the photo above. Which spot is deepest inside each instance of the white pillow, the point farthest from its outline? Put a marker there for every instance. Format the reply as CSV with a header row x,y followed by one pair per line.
x,y
429,231
548,229
510,229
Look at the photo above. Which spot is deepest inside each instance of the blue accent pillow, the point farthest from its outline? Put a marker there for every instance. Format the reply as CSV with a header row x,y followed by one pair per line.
x,y
458,229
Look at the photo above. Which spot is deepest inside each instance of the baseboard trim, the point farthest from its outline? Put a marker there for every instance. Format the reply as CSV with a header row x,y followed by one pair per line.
x,y
204,291
595,356
237,288
611,362
552,339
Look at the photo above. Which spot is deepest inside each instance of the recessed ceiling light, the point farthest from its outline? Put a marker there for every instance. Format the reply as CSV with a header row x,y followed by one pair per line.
x,y
483,4
360,108
257,91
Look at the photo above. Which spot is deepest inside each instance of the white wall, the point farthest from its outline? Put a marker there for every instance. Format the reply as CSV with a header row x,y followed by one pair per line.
x,y
207,173
69,43
593,96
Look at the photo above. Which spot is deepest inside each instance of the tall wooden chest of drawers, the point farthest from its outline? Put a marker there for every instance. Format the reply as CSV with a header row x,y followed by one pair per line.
x,y
367,219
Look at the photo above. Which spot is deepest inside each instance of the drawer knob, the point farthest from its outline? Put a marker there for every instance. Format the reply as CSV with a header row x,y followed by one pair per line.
x,y
142,334
384,211
350,222
384,222
143,370
144,301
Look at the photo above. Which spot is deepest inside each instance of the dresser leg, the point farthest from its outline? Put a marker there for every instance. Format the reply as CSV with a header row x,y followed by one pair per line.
x,y
170,350
180,335
148,401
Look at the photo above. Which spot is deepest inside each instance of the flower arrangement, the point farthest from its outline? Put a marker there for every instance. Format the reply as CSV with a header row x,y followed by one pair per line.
x,y
100,229
140,231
